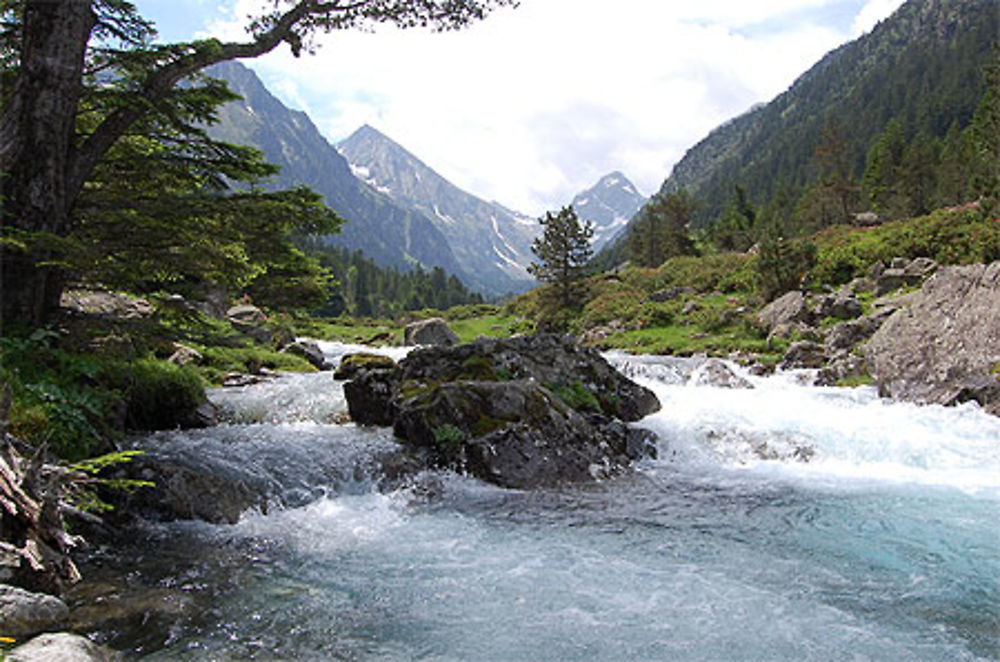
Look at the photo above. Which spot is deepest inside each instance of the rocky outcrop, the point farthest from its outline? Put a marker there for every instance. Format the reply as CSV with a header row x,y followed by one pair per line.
x,y
902,273
433,331
23,613
789,308
64,647
523,412
945,346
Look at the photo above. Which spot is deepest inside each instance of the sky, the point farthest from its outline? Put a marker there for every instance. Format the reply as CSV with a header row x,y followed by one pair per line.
x,y
535,104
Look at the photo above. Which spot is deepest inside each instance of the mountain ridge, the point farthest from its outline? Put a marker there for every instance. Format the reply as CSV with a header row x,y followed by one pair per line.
x,y
390,234
491,243
609,204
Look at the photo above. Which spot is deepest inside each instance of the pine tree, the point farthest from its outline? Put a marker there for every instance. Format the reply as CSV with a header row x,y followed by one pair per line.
x,y
662,230
564,251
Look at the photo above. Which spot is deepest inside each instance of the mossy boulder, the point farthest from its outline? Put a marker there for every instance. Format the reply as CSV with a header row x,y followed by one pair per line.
x,y
521,412
352,365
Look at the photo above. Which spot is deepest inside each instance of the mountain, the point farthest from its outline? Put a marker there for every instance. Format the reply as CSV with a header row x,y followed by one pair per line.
x,y
491,243
391,234
609,203
922,66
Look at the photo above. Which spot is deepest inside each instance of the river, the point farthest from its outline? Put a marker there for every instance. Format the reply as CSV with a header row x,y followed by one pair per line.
x,y
884,545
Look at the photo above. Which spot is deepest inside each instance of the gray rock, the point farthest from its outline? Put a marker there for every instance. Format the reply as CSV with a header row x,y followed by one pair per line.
x,y
62,647
250,320
841,304
184,355
889,281
920,269
843,337
245,314
23,613
433,331
788,309
718,374
803,354
662,296
370,396
903,273
842,367
105,304
946,344
690,307
183,491
310,351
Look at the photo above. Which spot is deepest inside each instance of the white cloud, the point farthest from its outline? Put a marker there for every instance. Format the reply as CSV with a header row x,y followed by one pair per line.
x,y
873,12
533,105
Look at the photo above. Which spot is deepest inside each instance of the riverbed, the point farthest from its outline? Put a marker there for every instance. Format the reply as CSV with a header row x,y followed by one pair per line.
x,y
783,522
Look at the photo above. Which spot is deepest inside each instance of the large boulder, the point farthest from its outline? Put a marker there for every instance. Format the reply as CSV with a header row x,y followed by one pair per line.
x,y
788,310
179,489
945,346
64,647
524,412
24,613
433,331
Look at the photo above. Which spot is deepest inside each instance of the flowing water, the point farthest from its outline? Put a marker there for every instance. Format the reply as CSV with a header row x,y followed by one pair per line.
x,y
885,545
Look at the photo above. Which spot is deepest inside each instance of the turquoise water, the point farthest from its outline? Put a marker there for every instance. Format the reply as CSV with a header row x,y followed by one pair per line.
x,y
885,546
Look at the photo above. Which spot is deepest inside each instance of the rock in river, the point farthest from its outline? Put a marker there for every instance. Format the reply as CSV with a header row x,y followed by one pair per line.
x,y
523,412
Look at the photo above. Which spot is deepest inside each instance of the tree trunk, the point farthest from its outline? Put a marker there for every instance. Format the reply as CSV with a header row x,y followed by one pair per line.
x,y
36,146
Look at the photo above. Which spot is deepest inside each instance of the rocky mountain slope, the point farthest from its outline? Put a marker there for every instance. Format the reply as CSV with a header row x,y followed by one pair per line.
x,y
491,243
923,66
391,234
610,204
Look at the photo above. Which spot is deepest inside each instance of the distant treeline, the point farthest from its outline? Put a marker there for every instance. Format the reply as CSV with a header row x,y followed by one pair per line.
x,y
364,289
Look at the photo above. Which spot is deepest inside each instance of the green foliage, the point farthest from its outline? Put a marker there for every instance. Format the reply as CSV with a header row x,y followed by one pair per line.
x,y
564,251
448,439
576,396
783,265
959,236
60,399
247,357
83,494
725,272
77,404
736,230
661,230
